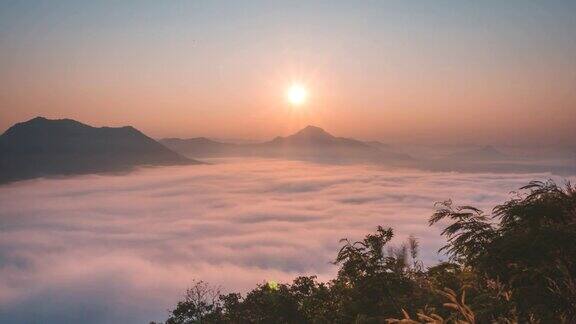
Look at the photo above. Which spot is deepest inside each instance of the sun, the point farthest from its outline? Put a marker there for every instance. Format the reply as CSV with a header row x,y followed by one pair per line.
x,y
297,94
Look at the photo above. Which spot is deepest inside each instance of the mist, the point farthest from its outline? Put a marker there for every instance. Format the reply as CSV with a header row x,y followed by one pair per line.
x,y
123,248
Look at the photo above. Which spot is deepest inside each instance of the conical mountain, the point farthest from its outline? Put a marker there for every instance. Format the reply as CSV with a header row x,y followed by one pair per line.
x,y
309,143
313,135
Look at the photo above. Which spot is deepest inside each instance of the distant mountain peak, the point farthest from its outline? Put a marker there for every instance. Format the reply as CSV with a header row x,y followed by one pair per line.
x,y
312,132
38,119
487,152
490,148
313,128
41,119
53,122
310,142
491,151
40,123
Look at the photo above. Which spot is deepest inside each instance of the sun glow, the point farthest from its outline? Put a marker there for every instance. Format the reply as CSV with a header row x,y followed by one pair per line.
x,y
297,94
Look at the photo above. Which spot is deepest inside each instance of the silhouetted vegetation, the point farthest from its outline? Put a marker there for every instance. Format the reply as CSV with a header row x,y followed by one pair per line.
x,y
515,266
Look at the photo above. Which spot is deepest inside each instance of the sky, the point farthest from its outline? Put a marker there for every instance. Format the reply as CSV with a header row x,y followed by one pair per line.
x,y
123,249
485,72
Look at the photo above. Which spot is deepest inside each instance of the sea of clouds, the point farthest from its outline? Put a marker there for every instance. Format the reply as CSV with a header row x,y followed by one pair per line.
x,y
123,248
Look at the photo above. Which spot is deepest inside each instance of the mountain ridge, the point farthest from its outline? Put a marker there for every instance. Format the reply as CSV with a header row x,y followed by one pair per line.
x,y
44,147
486,152
310,142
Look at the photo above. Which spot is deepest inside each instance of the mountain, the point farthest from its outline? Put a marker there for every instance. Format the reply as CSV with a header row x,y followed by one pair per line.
x,y
379,145
315,136
484,153
490,159
309,143
41,147
199,146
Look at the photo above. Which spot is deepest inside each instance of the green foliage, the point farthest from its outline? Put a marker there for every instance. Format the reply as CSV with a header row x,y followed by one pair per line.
x,y
517,265
527,248
200,303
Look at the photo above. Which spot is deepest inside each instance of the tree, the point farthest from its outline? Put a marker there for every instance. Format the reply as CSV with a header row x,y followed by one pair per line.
x,y
201,303
527,247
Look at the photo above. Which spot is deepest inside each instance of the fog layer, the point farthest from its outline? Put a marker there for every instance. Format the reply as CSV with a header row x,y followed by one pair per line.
x,y
123,248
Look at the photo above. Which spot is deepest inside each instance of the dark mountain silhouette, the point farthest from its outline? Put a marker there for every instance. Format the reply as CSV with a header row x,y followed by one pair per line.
x,y
41,147
490,159
198,146
315,136
379,145
483,153
315,144
309,143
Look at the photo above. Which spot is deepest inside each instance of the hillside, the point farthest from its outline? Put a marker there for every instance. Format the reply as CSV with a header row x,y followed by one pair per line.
x,y
42,147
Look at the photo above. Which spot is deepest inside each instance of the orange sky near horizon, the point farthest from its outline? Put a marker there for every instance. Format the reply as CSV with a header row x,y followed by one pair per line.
x,y
486,74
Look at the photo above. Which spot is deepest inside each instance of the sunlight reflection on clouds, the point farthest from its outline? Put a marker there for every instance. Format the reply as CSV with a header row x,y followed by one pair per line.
x,y
125,247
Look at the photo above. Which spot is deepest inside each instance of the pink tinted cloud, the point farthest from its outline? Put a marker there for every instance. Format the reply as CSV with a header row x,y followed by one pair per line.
x,y
125,247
